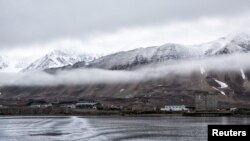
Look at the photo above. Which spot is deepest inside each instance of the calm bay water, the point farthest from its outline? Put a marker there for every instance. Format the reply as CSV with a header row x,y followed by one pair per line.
x,y
106,128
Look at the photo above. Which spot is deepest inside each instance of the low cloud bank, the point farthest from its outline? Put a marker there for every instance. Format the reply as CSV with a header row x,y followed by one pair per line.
x,y
234,62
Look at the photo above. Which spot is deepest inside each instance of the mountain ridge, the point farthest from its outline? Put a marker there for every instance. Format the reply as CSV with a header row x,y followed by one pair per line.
x,y
238,43
66,58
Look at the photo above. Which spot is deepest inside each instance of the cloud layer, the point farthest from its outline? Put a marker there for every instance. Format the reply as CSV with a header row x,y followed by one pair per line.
x,y
188,32
234,62
29,22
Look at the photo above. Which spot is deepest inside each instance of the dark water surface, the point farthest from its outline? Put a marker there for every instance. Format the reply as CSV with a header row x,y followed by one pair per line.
x,y
108,128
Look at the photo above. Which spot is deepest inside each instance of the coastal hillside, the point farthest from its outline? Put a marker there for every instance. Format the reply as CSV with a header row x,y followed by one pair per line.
x,y
232,88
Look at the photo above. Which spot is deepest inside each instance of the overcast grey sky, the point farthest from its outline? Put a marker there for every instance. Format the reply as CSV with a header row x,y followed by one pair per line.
x,y
90,24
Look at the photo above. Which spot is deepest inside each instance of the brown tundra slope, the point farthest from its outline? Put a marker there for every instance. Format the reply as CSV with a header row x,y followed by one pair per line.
x,y
232,88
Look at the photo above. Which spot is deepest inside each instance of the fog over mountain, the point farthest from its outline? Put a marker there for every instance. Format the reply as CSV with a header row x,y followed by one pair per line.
x,y
233,62
74,68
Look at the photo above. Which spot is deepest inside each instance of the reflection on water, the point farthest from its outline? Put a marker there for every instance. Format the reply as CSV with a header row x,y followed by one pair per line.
x,y
167,128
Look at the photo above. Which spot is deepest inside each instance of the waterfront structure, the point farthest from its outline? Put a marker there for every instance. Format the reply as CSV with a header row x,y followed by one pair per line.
x,y
68,104
175,108
206,102
88,105
71,106
39,104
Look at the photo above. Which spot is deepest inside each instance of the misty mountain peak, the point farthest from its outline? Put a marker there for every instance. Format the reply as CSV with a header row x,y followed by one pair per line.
x,y
233,43
59,58
238,37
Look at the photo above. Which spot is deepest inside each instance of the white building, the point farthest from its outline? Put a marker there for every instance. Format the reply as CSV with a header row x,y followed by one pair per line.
x,y
175,108
40,105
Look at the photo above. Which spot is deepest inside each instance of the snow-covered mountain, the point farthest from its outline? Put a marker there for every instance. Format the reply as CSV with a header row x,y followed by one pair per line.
x,y
127,59
226,45
59,58
235,43
134,57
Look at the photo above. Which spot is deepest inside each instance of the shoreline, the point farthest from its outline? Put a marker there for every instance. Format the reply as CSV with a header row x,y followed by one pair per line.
x,y
65,112
115,115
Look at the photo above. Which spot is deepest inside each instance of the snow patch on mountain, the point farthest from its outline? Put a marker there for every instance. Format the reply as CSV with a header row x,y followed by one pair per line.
x,y
222,84
202,70
223,93
243,74
121,90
